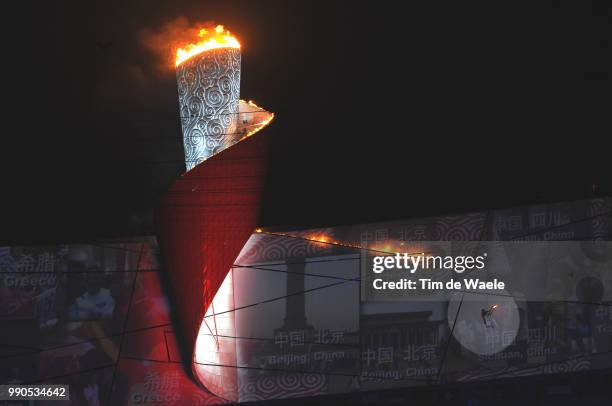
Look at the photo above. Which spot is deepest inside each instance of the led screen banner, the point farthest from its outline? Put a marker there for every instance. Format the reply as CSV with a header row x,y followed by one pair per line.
x,y
74,314
289,318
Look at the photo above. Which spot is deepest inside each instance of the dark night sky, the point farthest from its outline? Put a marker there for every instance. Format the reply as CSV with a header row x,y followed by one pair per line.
x,y
383,111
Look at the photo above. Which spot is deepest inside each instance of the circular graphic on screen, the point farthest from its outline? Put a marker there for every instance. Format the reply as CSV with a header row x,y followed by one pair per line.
x,y
486,323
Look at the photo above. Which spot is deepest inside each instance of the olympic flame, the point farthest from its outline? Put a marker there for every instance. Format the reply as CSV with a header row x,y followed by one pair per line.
x,y
210,38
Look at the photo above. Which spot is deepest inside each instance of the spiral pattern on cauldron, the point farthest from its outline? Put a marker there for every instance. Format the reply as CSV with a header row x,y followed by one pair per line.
x,y
209,93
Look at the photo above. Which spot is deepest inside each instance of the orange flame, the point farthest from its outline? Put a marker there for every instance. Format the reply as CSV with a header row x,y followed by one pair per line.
x,y
319,238
218,37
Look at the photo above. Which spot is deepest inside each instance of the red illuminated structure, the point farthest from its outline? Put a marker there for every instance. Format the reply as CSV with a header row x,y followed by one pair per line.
x,y
210,212
204,221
